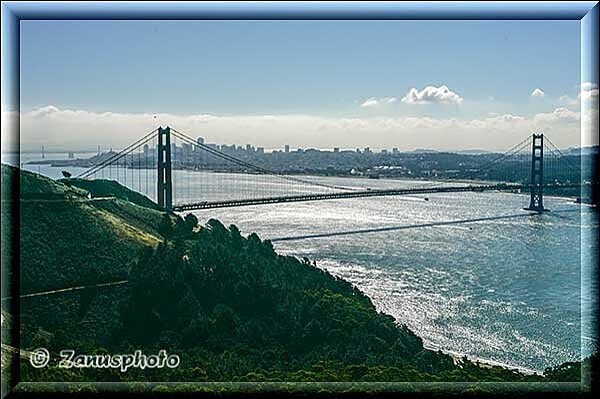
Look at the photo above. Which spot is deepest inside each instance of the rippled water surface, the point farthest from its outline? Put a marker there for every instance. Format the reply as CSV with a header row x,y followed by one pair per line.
x,y
505,289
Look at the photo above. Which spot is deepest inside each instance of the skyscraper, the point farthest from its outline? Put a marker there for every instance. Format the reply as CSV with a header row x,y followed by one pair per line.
x,y
286,148
187,149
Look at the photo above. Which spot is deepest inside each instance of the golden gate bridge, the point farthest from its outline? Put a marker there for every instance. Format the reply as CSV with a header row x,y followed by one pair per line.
x,y
200,176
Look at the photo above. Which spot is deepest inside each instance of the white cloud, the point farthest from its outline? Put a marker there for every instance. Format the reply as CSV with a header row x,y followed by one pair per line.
x,y
537,93
64,128
559,114
373,102
589,91
589,111
432,94
370,102
587,98
589,95
588,86
568,101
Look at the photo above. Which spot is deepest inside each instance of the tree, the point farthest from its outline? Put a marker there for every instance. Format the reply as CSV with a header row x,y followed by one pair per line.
x,y
191,222
165,228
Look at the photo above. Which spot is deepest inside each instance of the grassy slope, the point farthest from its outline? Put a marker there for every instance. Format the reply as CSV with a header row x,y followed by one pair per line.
x,y
67,240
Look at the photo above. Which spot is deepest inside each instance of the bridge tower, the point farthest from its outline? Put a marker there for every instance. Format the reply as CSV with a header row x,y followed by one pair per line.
x,y
165,184
537,174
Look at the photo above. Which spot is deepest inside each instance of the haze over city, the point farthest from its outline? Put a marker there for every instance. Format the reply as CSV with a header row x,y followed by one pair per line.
x,y
319,84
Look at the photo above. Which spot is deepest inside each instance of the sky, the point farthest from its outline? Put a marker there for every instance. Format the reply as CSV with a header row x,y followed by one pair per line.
x,y
320,84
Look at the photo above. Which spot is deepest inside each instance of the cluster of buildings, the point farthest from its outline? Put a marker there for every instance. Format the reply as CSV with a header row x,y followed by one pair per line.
x,y
187,150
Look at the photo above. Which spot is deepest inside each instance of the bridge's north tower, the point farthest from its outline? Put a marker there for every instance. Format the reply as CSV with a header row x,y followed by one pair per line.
x,y
537,174
165,183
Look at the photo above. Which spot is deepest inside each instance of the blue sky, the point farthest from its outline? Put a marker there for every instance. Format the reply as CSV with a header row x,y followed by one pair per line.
x,y
325,69
289,66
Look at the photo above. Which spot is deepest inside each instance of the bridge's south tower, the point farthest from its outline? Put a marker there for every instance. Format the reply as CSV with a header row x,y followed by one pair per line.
x,y
165,184
537,174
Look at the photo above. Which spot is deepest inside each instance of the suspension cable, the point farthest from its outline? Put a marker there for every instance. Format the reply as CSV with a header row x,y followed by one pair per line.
x,y
115,157
577,167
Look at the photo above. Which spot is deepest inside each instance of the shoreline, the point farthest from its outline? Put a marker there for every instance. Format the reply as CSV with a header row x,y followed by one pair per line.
x,y
486,363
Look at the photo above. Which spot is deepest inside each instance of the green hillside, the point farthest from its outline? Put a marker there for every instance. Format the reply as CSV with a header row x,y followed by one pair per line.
x,y
228,305
68,240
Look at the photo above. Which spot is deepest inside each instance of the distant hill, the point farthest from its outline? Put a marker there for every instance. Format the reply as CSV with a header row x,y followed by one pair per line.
x,y
472,152
424,151
589,150
465,152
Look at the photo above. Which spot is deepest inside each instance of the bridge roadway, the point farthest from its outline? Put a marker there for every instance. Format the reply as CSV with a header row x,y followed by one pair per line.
x,y
352,194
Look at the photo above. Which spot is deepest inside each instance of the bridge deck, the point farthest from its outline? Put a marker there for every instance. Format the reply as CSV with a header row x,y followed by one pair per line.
x,y
353,194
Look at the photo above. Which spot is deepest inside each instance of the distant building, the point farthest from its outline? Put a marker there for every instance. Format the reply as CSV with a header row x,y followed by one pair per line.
x,y
249,148
286,148
384,151
260,150
228,148
187,149
146,149
200,140
367,150
395,150
336,149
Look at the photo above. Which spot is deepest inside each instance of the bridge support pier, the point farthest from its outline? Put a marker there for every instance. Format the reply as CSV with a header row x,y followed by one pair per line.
x,y
165,184
536,184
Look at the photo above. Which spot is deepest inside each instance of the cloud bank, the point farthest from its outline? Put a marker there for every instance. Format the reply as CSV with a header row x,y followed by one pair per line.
x,y
69,128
